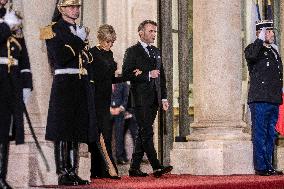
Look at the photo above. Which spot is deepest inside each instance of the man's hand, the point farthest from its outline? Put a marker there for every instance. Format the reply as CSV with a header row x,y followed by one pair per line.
x,y
12,19
165,105
127,115
137,72
154,73
261,35
81,32
115,111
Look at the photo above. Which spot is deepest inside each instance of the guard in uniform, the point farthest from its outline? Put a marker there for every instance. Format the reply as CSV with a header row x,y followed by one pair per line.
x,y
68,115
15,85
264,95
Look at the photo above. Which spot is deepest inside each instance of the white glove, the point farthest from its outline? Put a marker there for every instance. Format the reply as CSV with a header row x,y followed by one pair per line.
x,y
26,94
261,35
275,47
81,32
72,29
12,19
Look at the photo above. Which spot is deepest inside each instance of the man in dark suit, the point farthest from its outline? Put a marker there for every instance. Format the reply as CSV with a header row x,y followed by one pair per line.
x,y
143,68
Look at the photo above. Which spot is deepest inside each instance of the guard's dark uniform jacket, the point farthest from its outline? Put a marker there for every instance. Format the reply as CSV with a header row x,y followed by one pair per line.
x,y
68,115
266,75
15,74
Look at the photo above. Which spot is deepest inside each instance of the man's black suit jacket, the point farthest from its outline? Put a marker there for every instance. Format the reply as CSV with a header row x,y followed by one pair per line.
x,y
144,91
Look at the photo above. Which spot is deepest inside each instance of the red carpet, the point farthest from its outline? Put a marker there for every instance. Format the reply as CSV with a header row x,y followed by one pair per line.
x,y
187,182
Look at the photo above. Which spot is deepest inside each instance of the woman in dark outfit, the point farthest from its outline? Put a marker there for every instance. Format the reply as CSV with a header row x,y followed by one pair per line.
x,y
104,68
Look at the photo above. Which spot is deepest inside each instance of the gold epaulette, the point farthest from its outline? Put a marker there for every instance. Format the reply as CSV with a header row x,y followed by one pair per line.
x,y
47,32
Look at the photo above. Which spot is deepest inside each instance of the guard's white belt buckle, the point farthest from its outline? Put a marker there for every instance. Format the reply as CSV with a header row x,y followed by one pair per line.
x,y
5,61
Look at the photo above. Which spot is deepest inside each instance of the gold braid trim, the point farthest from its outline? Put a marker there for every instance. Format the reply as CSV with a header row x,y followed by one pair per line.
x,y
47,32
68,46
10,57
111,169
82,70
14,40
90,55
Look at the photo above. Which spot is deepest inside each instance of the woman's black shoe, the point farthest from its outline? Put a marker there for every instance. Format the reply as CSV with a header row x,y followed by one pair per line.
x,y
114,177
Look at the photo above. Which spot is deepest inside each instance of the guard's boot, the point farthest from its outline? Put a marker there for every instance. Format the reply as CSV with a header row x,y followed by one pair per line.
x,y
4,150
73,150
61,158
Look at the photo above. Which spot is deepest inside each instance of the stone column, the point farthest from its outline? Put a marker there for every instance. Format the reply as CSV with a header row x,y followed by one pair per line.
x,y
167,57
184,67
217,144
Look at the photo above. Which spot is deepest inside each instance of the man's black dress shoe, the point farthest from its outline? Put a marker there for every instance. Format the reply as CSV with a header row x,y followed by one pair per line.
x,y
163,170
114,177
137,173
105,176
67,180
263,173
275,172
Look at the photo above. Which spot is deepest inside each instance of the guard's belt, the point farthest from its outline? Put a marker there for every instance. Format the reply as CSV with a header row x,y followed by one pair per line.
x,y
70,71
4,60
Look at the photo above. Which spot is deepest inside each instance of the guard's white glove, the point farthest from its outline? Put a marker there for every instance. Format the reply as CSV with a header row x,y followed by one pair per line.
x,y
72,29
261,35
12,19
26,94
81,32
275,47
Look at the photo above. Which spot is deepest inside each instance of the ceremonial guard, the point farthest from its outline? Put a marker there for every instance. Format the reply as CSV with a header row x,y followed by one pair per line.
x,y
264,95
68,117
71,116
15,84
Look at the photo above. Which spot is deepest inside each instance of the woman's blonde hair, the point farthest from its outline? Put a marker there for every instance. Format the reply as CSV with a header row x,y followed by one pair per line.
x,y
106,32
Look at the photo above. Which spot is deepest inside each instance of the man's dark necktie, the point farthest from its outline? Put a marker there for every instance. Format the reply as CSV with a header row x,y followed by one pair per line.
x,y
152,56
151,52
156,81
